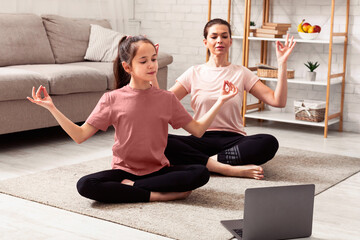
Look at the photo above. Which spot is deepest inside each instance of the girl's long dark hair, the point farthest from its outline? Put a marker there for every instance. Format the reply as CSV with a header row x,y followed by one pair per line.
x,y
127,49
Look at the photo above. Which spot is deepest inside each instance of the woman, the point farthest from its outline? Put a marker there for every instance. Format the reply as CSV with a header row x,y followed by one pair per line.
x,y
238,154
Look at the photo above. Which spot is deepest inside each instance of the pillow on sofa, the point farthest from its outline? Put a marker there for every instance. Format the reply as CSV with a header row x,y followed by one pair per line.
x,y
69,37
103,44
23,40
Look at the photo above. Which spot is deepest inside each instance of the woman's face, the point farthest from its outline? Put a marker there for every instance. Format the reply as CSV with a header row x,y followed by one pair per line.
x,y
144,65
218,40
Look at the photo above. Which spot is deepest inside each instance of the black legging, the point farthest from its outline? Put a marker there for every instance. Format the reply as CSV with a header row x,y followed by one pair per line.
x,y
232,148
106,186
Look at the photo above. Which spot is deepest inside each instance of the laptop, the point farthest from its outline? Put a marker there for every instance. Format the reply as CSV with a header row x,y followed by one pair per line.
x,y
275,213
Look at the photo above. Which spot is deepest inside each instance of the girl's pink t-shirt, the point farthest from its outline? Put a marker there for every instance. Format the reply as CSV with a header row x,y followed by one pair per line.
x,y
204,84
140,119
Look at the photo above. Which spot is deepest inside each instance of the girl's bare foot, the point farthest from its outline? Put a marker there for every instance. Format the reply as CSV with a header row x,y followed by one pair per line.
x,y
247,171
127,182
168,196
161,196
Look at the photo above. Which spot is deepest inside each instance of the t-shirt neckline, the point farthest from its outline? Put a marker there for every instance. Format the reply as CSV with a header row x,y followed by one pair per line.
x,y
217,68
139,90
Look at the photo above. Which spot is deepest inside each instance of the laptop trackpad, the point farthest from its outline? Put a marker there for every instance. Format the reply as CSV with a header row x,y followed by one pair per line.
x,y
234,226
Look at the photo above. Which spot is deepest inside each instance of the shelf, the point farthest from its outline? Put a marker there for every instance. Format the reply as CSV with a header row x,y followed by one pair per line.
x,y
285,117
303,81
337,40
330,39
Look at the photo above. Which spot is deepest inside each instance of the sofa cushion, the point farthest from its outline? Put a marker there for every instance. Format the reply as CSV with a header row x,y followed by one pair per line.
x,y
65,79
23,40
105,68
103,44
69,37
17,83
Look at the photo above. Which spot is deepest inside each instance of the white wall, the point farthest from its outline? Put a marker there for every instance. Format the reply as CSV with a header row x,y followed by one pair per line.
x,y
116,11
178,24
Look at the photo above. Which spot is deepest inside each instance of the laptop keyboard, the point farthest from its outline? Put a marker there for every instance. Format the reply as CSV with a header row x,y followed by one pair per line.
x,y
239,232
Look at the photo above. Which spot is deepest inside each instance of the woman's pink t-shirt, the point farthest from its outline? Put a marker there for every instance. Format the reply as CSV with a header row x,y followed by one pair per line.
x,y
140,119
204,84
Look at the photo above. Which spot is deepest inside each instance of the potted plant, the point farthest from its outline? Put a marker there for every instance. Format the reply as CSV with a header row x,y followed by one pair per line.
x,y
311,75
252,27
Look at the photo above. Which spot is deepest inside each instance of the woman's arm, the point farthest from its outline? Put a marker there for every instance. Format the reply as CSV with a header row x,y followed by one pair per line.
x,y
198,127
179,91
78,133
278,97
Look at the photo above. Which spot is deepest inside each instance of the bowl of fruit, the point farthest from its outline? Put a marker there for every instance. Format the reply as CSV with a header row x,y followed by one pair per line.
x,y
307,31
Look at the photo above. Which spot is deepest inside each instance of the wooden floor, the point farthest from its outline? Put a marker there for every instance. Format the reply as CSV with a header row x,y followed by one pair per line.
x,y
336,216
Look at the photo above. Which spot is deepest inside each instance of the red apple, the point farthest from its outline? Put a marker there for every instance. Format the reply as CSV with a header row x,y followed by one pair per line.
x,y
317,28
305,26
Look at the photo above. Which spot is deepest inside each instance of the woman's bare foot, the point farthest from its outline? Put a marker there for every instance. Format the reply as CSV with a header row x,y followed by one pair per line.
x,y
247,171
127,182
168,196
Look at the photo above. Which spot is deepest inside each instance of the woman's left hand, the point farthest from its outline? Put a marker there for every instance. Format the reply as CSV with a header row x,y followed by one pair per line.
x,y
228,91
283,50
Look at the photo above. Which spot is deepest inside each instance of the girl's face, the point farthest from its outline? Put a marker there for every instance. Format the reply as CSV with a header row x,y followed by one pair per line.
x,y
144,65
218,40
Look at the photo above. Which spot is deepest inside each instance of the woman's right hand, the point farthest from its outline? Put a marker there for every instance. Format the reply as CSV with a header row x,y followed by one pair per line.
x,y
45,101
228,90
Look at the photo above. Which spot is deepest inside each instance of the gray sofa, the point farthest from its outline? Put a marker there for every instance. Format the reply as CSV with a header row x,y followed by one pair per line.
x,y
49,50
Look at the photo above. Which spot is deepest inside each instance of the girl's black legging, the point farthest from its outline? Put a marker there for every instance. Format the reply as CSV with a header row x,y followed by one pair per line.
x,y
106,186
232,148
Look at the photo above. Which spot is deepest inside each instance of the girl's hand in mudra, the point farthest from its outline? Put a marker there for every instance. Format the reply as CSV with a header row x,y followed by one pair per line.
x,y
37,98
228,91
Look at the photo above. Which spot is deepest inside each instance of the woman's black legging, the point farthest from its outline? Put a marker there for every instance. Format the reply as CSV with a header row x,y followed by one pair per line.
x,y
232,148
106,186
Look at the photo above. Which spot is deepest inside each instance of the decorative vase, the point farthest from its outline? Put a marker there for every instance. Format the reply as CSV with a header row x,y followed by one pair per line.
x,y
252,30
310,76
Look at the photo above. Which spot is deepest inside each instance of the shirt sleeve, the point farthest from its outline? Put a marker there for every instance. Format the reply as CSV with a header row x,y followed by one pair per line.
x,y
179,116
250,79
101,115
185,79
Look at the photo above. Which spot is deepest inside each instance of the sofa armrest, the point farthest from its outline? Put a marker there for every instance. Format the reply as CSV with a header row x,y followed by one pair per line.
x,y
164,59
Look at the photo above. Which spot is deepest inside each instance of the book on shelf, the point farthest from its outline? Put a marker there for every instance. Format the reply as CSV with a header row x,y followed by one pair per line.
x,y
267,35
277,24
265,66
272,31
275,28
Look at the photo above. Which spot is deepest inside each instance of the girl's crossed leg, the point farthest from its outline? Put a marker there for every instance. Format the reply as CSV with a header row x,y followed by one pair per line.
x,y
118,186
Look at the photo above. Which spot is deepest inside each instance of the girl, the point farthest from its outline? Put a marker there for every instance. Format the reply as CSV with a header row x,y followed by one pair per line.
x,y
238,155
140,115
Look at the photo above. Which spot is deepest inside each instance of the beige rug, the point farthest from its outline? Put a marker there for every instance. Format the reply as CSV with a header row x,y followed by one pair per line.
x,y
194,218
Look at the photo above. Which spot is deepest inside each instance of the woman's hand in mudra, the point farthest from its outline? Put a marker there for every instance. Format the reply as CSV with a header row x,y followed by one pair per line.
x,y
37,98
228,90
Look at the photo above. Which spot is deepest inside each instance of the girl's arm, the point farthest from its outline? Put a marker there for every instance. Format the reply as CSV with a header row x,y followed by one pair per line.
x,y
78,133
198,127
278,97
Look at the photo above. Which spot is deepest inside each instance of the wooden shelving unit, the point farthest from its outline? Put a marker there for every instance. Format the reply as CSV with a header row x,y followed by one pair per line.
x,y
256,110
